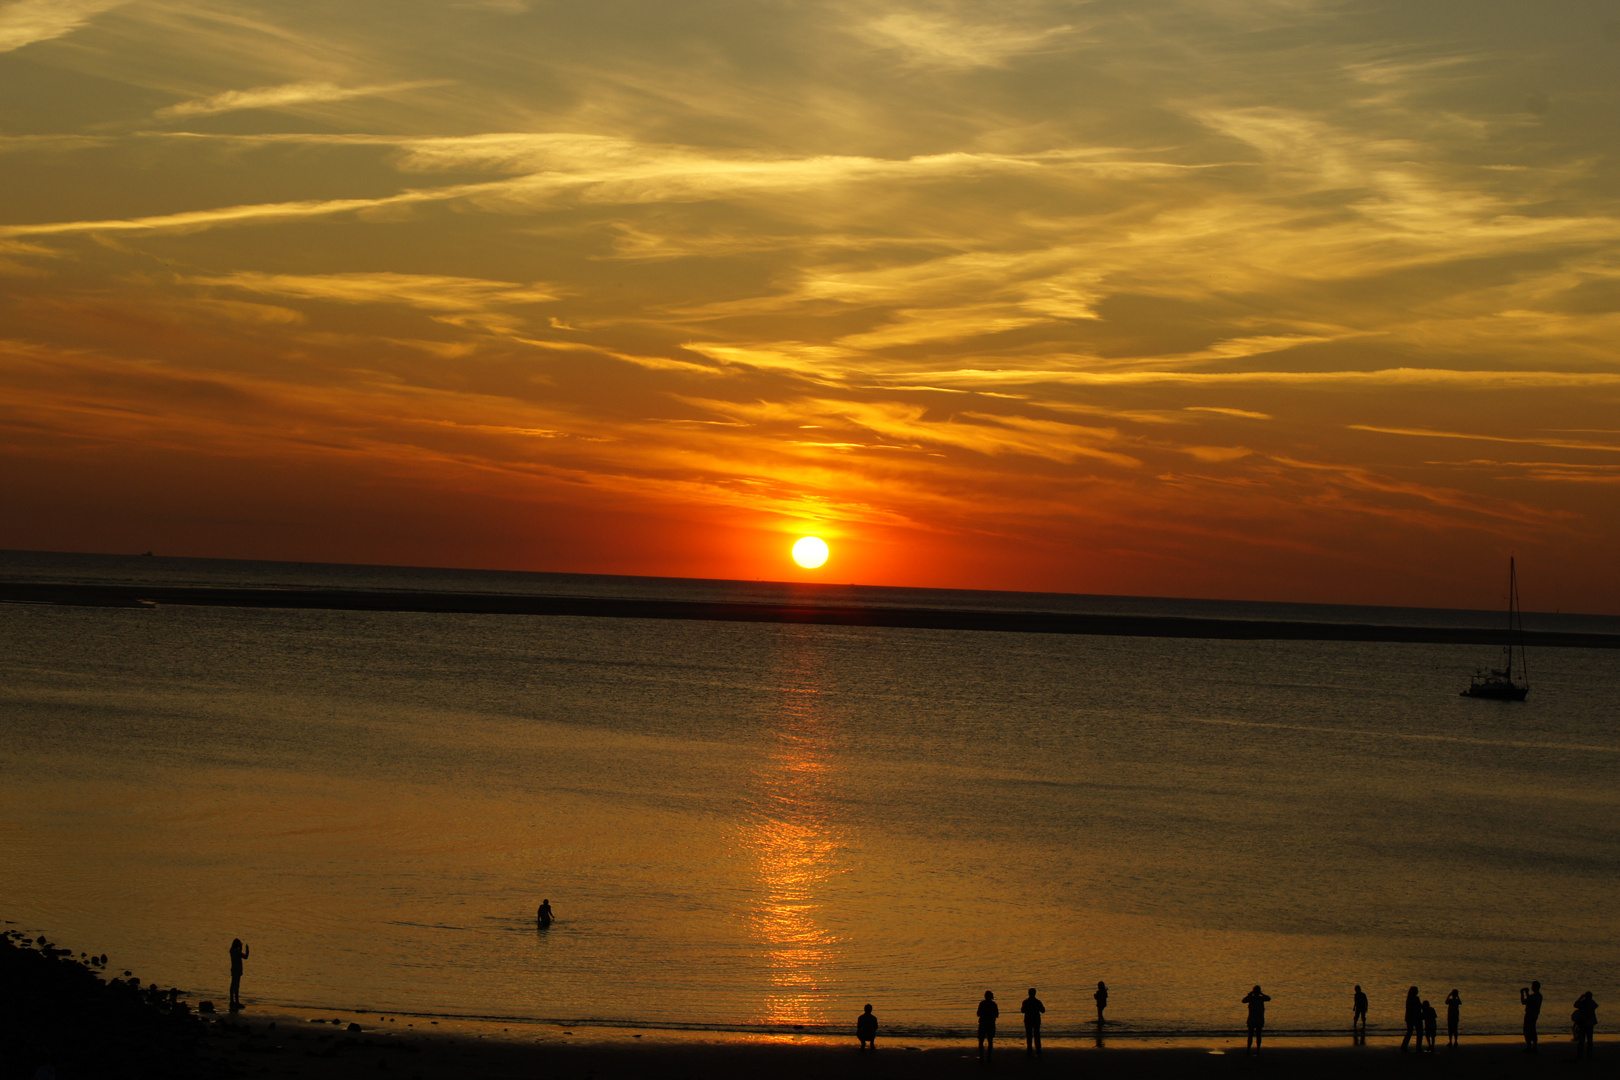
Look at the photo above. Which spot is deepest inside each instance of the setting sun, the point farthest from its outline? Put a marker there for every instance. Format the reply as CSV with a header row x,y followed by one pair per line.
x,y
810,551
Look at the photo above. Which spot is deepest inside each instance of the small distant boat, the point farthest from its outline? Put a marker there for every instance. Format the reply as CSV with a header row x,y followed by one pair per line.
x,y
1500,685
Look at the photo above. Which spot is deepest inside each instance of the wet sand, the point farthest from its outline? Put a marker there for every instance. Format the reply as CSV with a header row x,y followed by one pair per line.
x,y
1028,622
294,1047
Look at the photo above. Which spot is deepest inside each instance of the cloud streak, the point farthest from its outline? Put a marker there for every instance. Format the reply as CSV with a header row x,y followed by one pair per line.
x,y
286,96
24,22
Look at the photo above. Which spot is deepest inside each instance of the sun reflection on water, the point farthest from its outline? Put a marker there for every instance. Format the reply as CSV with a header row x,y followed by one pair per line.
x,y
792,837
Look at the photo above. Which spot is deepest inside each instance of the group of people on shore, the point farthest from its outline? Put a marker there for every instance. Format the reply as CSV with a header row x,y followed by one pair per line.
x,y
1032,1008
1422,1020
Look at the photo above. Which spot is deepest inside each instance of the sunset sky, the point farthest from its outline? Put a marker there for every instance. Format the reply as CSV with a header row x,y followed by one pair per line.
x,y
1269,299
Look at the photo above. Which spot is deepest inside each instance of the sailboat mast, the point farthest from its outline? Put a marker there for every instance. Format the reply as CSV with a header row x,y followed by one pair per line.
x,y
1513,607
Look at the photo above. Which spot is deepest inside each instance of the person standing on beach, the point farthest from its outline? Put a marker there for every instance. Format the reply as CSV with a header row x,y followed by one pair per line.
x,y
988,1011
1431,1025
239,953
1032,1009
1585,1020
1531,1000
1358,1011
1414,1019
866,1028
1101,997
1453,1009
542,917
1256,1001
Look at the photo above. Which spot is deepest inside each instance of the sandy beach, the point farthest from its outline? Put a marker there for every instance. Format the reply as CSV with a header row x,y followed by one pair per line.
x,y
294,1046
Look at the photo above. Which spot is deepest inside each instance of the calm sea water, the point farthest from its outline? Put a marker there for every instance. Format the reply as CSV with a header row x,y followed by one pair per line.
x,y
772,825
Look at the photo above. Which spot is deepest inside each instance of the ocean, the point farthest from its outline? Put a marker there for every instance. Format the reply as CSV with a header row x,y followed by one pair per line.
x,y
767,826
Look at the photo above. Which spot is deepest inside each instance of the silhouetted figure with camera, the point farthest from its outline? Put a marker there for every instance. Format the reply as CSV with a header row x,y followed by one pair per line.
x,y
1453,1013
1256,1001
1531,1000
1585,1019
988,1011
239,953
1032,1010
866,1029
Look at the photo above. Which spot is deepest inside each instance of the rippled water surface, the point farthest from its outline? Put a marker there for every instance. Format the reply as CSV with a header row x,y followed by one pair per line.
x,y
745,823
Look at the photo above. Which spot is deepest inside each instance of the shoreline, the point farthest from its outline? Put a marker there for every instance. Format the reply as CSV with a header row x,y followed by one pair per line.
x,y
286,1043
1026,622
60,1011
1113,1031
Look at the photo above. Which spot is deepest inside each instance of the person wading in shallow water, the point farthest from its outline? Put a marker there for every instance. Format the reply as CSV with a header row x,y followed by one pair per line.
x,y
1256,1001
239,953
1531,1000
988,1011
1101,997
543,917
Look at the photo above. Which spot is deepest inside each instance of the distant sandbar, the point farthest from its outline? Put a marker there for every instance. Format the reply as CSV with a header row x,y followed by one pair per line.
x,y
1023,622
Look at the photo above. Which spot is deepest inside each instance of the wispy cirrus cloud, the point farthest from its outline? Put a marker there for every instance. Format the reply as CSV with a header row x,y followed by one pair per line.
x,y
286,96
1550,443
937,38
429,291
24,22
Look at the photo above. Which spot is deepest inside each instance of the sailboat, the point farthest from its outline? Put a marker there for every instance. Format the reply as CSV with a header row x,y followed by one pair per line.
x,y
1500,684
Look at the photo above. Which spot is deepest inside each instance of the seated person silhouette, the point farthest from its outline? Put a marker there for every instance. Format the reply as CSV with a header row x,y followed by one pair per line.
x,y
866,1029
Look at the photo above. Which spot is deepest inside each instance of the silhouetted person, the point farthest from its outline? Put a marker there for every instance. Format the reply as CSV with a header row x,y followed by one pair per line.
x,y
1358,1011
1101,997
866,1028
239,953
1531,1000
1585,1020
1032,1009
1431,1024
1414,1019
1453,1010
1256,1001
543,916
988,1011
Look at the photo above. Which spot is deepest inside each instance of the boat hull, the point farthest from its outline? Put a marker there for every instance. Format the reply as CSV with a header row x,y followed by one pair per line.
x,y
1497,691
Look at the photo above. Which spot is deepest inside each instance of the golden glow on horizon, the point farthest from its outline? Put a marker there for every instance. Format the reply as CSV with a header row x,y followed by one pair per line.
x,y
1023,293
810,551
